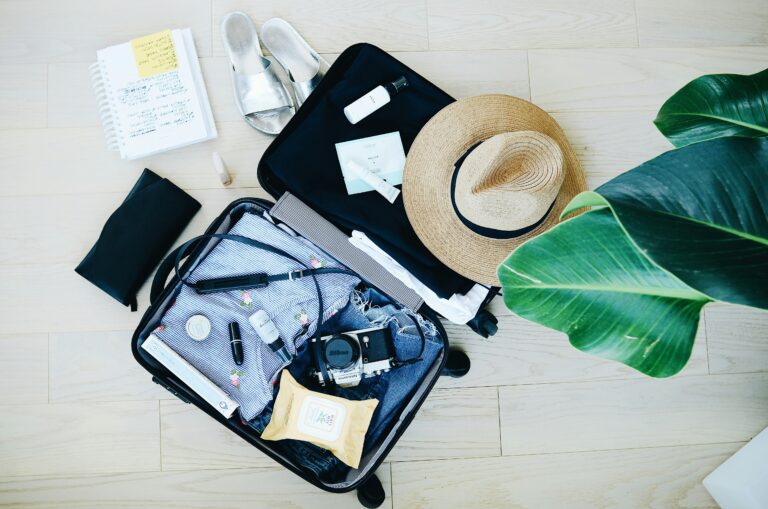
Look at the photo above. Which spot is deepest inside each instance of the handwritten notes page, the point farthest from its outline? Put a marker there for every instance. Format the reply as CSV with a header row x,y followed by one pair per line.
x,y
155,103
158,97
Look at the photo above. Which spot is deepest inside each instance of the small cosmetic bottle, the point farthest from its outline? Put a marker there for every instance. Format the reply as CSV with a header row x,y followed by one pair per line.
x,y
269,334
374,100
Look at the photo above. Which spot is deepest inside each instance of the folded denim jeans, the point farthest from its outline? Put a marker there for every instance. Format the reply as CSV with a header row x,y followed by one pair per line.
x,y
391,389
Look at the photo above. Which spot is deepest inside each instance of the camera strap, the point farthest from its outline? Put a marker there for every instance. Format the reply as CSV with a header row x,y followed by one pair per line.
x,y
258,280
423,339
261,280
248,281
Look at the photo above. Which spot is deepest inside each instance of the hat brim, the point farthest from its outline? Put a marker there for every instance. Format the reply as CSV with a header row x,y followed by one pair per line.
x,y
429,168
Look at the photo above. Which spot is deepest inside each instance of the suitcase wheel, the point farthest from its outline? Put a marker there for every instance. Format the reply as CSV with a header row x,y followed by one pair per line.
x,y
457,364
371,493
484,323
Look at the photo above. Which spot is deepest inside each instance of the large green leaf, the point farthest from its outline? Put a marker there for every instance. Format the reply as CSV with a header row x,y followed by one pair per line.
x,y
701,212
586,278
715,106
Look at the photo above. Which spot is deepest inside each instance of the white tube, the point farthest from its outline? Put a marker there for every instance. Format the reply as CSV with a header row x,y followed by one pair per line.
x,y
381,186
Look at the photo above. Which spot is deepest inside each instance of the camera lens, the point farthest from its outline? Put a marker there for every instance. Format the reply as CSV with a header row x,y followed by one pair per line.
x,y
341,351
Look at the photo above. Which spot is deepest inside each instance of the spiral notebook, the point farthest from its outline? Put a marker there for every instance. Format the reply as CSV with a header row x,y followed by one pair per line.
x,y
151,94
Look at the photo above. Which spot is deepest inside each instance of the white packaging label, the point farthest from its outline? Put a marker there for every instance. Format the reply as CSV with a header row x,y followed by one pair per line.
x,y
382,155
321,418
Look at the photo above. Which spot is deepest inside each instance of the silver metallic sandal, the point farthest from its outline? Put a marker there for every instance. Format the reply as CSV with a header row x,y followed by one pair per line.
x,y
260,96
304,66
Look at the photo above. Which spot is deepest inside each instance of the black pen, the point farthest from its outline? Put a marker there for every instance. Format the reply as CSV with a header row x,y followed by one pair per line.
x,y
236,342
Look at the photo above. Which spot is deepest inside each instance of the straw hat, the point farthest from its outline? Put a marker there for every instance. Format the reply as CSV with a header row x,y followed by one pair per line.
x,y
484,175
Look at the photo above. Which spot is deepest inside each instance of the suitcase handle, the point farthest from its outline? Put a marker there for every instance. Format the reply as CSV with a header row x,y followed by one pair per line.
x,y
161,275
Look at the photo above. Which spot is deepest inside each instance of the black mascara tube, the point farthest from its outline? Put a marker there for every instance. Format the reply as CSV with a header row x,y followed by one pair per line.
x,y
236,342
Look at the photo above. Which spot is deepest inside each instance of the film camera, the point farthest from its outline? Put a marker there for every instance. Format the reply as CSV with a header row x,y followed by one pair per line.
x,y
346,358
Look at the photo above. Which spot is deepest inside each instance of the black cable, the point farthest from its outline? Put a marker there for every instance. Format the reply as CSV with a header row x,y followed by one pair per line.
x,y
266,247
329,270
416,359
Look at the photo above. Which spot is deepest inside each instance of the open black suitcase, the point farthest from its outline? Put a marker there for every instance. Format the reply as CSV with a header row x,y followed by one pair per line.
x,y
359,69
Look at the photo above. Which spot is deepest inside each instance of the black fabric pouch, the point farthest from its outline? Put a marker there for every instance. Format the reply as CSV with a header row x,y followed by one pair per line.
x,y
136,237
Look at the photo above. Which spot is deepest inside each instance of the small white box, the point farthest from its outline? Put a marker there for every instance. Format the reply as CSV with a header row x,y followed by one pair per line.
x,y
188,374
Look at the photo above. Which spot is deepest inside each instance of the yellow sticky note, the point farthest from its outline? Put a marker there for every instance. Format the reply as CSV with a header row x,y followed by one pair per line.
x,y
155,54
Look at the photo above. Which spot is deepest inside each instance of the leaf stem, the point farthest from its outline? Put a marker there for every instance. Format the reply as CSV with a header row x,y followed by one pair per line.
x,y
756,127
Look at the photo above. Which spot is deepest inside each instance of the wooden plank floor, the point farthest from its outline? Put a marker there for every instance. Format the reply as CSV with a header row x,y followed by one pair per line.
x,y
535,424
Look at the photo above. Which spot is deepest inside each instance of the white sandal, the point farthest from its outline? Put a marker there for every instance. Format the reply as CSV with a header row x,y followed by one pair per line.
x,y
305,67
260,96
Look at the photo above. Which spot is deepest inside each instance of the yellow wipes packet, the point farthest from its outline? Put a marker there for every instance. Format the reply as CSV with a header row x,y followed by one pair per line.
x,y
330,422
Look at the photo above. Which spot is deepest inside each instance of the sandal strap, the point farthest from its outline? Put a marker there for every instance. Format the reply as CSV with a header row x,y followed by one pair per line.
x,y
302,89
258,93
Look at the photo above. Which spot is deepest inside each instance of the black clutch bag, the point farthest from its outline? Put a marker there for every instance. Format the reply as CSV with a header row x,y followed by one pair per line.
x,y
136,237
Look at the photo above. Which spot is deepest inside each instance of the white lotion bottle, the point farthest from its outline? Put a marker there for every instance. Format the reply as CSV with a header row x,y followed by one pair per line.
x,y
374,100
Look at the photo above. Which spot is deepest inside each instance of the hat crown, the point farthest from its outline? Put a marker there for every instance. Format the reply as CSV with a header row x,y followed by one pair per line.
x,y
509,181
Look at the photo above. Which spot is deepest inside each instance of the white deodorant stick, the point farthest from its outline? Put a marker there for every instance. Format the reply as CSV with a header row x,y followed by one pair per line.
x,y
381,186
374,100
221,169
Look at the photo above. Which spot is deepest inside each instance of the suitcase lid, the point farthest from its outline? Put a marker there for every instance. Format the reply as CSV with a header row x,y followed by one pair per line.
x,y
302,159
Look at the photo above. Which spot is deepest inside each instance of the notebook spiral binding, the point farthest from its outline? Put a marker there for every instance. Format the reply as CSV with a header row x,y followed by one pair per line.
x,y
111,129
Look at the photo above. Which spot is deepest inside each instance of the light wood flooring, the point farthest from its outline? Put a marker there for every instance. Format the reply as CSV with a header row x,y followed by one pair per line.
x,y
536,424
